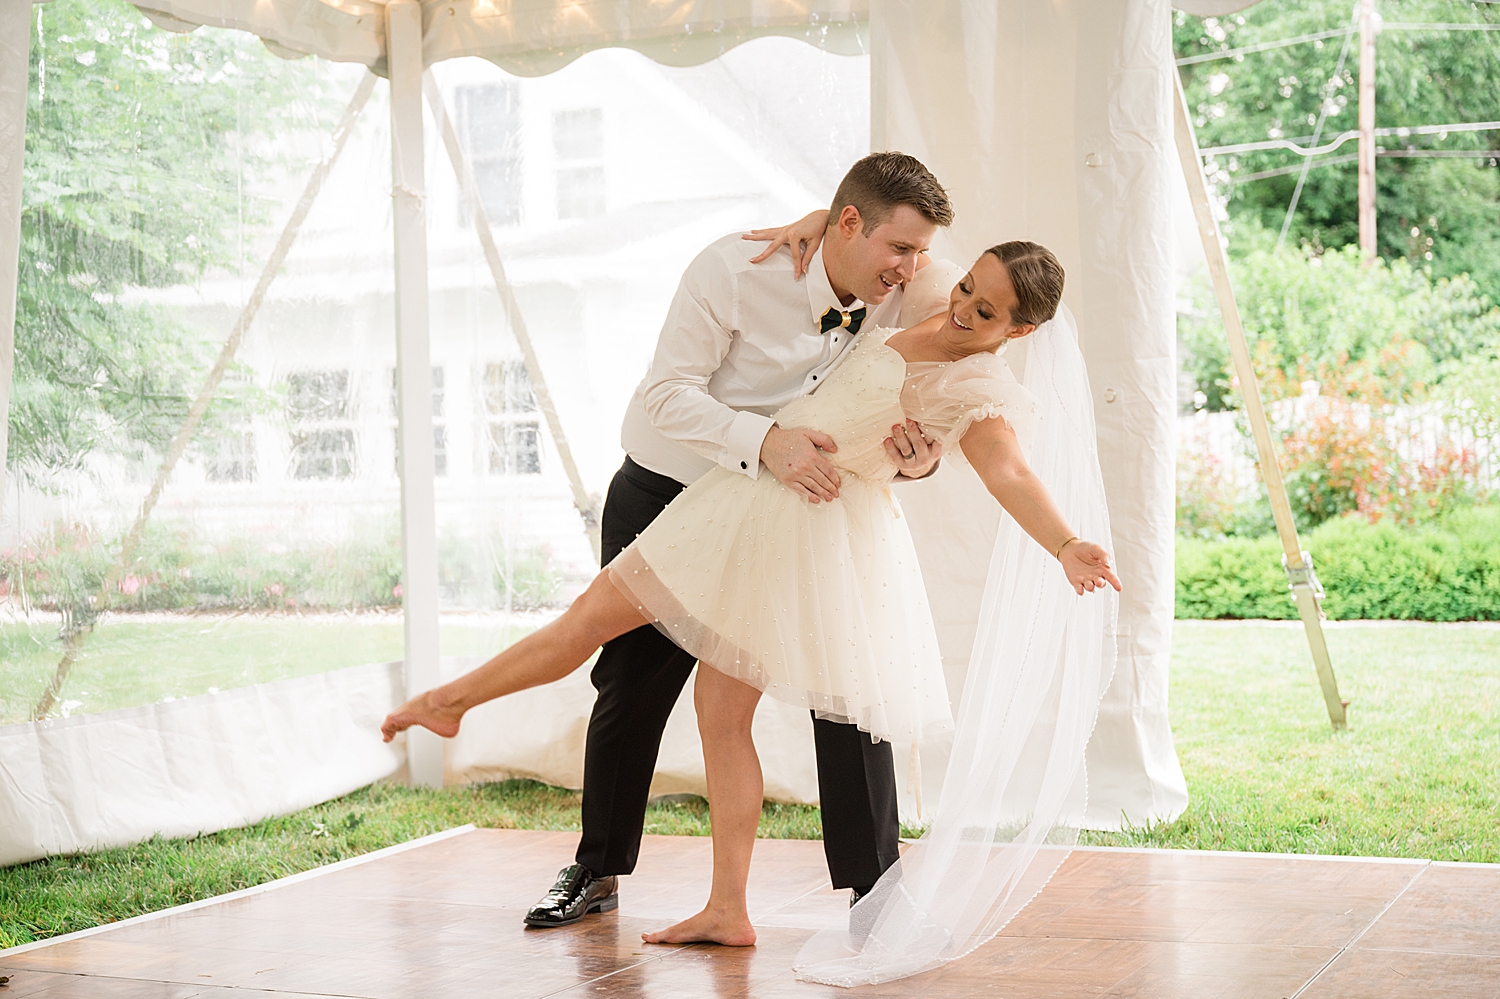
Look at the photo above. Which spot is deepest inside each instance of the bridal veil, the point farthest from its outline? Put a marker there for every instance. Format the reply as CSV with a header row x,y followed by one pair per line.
x,y
1016,788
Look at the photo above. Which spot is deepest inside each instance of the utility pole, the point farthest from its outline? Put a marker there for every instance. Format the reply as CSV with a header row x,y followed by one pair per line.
x,y
1367,30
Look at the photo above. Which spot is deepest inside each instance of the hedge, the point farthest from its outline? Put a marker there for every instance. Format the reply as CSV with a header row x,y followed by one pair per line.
x,y
1448,572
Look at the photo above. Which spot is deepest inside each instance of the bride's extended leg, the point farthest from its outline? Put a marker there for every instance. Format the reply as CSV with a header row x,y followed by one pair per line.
x,y
726,708
549,653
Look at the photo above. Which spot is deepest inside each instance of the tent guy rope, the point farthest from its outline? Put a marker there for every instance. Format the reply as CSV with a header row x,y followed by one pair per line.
x,y
1323,107
586,504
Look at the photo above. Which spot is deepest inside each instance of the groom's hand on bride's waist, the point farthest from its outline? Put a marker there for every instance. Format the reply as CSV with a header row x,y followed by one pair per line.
x,y
796,457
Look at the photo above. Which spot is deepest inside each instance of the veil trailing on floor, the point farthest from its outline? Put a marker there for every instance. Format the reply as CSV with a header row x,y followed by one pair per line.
x,y
1015,789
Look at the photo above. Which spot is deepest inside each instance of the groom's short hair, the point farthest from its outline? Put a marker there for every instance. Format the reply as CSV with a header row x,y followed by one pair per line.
x,y
881,181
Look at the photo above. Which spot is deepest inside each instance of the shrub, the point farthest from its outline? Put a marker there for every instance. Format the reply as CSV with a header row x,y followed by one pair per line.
x,y
1347,447
1304,309
1213,501
1232,578
1448,571
176,568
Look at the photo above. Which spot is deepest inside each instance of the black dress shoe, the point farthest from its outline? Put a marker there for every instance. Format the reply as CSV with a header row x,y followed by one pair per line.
x,y
576,894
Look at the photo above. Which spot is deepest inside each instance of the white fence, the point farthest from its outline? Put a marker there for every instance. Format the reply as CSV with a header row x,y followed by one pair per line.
x,y
1424,434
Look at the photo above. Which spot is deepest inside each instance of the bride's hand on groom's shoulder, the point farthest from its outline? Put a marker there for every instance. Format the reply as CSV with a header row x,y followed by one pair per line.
x,y
801,237
1087,567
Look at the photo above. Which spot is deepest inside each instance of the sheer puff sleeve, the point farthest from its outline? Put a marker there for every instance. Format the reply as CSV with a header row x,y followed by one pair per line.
x,y
947,399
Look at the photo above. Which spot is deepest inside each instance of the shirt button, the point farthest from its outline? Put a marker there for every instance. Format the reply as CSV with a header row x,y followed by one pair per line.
x,y
815,377
744,465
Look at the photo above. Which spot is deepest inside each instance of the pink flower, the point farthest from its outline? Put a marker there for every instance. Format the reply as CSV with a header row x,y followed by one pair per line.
x,y
396,591
130,584
275,589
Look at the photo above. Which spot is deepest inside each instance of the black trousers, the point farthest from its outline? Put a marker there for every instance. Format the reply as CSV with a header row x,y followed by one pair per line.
x,y
639,677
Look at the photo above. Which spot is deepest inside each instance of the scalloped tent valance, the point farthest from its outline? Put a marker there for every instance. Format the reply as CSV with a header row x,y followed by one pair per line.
x,y
528,37
536,37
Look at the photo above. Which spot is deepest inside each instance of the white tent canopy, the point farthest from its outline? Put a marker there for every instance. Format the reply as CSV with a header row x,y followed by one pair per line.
x,y
1046,122
527,37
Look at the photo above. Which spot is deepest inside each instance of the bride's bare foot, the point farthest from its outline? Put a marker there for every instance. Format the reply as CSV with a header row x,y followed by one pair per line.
x,y
708,927
427,710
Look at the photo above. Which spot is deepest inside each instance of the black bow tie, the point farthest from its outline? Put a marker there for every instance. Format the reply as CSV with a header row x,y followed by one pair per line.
x,y
834,319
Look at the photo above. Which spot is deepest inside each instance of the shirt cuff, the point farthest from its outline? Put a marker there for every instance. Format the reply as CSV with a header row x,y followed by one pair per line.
x,y
742,449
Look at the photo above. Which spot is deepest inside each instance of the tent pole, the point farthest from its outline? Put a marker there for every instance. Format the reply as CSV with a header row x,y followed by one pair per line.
x,y
1299,567
419,563
76,636
15,56
587,508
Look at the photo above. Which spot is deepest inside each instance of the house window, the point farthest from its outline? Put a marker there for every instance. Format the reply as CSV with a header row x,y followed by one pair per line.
x,y
578,144
439,426
233,459
322,433
513,433
489,127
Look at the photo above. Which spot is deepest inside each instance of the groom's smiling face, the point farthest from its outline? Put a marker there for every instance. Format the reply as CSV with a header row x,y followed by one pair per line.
x,y
871,264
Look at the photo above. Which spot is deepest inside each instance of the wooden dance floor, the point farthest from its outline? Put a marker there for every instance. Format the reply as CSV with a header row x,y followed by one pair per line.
x,y
442,918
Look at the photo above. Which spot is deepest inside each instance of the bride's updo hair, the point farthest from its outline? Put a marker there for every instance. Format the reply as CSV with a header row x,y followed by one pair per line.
x,y
1037,277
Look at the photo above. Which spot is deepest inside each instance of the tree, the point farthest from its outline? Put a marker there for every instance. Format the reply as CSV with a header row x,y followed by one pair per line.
x,y
145,153
1439,213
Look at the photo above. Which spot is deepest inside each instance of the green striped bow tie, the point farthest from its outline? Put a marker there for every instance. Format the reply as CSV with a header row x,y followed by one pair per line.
x,y
834,319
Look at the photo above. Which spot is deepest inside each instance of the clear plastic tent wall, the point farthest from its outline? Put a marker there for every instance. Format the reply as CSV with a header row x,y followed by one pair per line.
x,y
601,181
236,663
600,174
192,640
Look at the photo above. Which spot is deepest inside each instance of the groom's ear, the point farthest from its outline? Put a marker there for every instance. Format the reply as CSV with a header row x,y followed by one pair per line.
x,y
849,222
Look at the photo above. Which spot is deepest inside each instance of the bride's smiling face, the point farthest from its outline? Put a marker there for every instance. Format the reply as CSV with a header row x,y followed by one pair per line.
x,y
979,309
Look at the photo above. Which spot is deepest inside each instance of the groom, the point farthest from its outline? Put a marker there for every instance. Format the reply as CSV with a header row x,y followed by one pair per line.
x,y
740,341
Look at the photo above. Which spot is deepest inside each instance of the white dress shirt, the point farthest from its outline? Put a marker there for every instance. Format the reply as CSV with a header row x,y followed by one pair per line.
x,y
740,341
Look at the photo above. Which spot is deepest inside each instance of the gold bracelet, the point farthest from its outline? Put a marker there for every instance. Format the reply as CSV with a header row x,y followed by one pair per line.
x,y
1058,554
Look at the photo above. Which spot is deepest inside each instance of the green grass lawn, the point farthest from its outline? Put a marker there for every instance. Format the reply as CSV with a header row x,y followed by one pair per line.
x,y
1415,776
143,659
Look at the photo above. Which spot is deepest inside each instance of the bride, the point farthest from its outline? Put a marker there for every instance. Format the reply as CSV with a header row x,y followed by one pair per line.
x,y
823,605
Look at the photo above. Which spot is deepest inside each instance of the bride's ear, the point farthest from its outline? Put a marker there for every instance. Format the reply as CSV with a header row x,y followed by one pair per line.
x,y
1018,331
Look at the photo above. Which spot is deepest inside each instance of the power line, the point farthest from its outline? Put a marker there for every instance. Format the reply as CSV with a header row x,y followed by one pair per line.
x,y
1245,178
1426,26
1401,131
1262,46
1417,154
1318,36
1478,154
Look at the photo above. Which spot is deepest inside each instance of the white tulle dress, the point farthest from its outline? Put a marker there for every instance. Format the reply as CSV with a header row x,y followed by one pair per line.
x,y
822,605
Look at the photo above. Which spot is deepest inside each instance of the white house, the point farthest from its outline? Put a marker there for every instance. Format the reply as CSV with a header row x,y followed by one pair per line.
x,y
601,182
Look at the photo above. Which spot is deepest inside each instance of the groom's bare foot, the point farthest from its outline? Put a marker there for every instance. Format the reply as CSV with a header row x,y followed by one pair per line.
x,y
708,927
427,710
